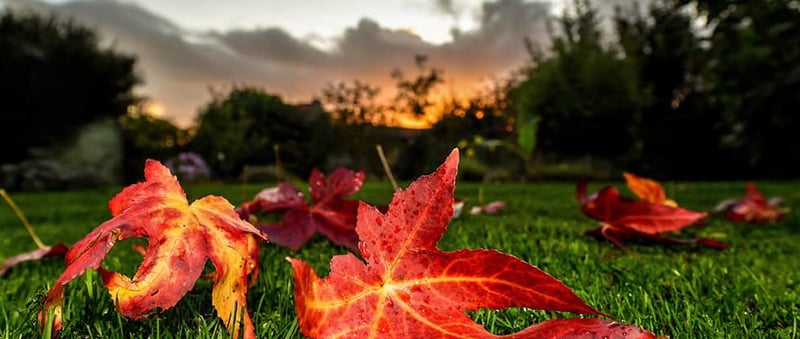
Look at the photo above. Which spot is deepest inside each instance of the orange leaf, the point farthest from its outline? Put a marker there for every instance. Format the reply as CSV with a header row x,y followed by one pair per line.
x,y
408,288
647,189
181,238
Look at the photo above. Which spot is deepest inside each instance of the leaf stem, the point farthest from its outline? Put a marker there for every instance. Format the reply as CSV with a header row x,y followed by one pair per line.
x,y
22,218
386,167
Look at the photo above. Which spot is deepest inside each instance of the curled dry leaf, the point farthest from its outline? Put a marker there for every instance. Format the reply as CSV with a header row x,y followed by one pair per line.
x,y
408,288
331,214
623,219
752,208
181,238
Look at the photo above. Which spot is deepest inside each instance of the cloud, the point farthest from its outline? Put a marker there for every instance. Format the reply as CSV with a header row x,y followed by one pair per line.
x,y
447,7
179,65
500,39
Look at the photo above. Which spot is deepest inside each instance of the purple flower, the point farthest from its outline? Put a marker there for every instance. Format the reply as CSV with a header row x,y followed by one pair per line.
x,y
188,166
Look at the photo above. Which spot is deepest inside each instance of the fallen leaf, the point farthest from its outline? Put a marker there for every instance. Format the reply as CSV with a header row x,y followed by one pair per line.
x,y
623,219
331,214
647,189
408,288
752,208
57,250
493,207
181,238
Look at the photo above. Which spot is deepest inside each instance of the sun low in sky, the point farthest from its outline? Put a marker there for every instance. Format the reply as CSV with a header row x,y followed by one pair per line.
x,y
295,48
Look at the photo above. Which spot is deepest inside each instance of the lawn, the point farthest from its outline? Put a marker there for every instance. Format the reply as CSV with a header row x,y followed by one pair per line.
x,y
750,290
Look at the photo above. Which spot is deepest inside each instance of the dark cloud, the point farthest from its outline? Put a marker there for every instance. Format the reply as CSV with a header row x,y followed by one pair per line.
x,y
499,42
274,44
179,65
447,7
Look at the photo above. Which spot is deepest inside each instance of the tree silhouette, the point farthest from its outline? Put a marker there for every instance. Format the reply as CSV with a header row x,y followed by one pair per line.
x,y
354,103
55,78
413,95
753,78
668,56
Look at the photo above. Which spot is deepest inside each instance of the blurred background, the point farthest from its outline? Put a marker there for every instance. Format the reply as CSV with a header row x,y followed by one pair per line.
x,y
528,90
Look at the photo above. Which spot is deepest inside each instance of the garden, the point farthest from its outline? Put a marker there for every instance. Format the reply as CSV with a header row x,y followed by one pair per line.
x,y
633,177
746,288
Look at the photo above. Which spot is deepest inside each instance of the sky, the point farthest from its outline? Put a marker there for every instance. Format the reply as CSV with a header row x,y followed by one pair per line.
x,y
293,48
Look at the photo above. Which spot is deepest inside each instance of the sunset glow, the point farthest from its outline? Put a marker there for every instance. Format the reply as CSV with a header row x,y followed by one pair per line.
x,y
288,49
154,109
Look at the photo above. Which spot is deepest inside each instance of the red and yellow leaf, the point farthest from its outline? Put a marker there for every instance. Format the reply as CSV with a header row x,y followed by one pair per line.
x,y
753,207
181,238
408,288
647,189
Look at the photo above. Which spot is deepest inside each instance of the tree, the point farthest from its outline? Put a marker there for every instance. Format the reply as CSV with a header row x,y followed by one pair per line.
x,y
753,79
147,137
413,95
678,129
354,103
484,120
584,97
55,78
243,126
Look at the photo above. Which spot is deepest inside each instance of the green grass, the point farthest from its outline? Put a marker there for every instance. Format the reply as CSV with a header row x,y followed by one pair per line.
x,y
747,291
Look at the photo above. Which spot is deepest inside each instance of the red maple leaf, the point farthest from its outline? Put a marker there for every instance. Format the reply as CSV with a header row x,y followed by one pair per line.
x,y
752,208
622,219
181,238
331,214
408,288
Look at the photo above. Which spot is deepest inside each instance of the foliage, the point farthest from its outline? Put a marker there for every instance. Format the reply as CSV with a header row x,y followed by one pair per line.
x,y
242,127
753,80
666,51
144,137
56,78
353,104
584,97
413,95
484,119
